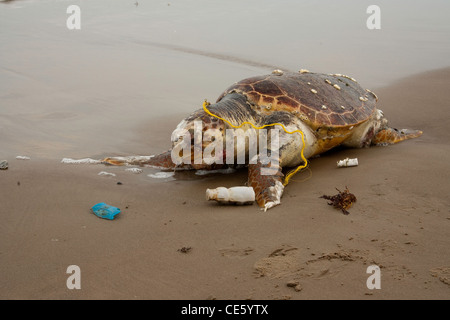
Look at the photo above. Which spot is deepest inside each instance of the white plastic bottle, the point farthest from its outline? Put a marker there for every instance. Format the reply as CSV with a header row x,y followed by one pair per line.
x,y
234,195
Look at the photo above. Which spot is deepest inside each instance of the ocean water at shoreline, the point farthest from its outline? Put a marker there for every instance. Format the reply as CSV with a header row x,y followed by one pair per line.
x,y
85,92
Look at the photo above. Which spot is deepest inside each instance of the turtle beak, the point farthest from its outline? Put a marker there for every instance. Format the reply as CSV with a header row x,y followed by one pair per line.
x,y
411,133
391,136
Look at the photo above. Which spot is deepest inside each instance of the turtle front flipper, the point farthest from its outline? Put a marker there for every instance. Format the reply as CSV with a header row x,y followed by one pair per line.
x,y
266,181
160,161
391,136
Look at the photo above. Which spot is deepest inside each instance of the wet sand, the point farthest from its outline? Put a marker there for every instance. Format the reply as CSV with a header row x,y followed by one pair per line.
x,y
80,102
399,222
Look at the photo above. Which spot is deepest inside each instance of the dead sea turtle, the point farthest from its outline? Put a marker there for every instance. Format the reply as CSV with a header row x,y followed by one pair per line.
x,y
329,109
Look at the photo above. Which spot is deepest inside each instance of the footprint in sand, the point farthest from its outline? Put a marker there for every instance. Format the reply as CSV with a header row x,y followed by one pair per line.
x,y
283,261
287,261
331,264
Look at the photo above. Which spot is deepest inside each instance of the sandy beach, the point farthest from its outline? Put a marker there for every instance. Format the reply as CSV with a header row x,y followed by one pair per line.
x,y
99,94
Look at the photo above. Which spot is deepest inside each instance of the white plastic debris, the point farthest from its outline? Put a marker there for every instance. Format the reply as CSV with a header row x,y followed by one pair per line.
x,y
161,175
23,158
80,161
104,173
347,162
234,195
134,170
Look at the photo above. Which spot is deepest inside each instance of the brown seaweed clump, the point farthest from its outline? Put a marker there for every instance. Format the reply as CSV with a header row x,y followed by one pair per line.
x,y
343,200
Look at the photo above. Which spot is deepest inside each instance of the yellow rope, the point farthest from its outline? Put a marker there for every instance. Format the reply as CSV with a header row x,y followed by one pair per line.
x,y
290,173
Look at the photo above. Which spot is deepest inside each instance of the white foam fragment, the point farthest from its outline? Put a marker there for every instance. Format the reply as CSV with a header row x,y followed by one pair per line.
x,y
161,175
80,161
134,170
23,158
347,162
104,173
205,172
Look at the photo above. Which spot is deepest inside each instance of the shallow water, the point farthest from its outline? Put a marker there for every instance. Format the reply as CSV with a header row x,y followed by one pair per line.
x,y
93,91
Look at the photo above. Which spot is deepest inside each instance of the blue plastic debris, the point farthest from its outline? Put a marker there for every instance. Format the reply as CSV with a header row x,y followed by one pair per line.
x,y
105,211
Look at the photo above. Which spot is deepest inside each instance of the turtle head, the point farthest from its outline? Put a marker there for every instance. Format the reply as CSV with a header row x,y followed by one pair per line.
x,y
198,141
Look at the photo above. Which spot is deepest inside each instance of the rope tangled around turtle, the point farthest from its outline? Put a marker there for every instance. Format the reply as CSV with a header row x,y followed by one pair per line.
x,y
290,173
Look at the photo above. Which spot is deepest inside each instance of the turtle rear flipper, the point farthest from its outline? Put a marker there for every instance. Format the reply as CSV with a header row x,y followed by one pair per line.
x,y
391,136
266,181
